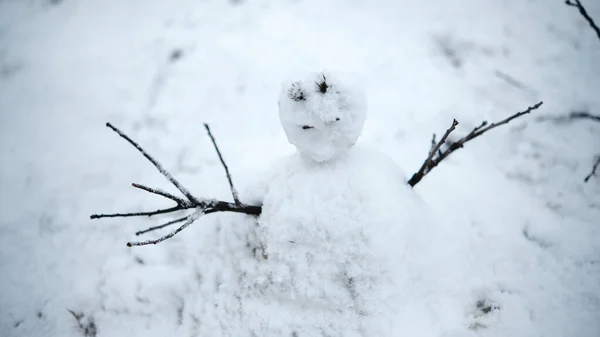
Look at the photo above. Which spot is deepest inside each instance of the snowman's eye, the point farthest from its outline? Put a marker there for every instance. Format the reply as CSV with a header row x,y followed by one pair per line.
x,y
306,127
295,92
322,86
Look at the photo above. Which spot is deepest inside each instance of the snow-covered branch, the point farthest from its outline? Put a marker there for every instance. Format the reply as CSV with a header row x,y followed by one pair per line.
x,y
436,155
234,193
200,206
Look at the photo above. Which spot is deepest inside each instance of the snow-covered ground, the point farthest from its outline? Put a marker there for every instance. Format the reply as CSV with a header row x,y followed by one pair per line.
x,y
514,199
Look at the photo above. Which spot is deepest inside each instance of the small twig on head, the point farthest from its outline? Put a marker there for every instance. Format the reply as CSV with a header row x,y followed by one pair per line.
x,y
233,191
577,4
156,164
594,168
436,156
426,164
478,131
162,226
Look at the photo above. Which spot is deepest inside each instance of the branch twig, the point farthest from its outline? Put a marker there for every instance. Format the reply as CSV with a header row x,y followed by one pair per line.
x,y
188,221
426,164
156,164
436,156
577,4
594,168
162,193
201,206
126,215
233,191
172,222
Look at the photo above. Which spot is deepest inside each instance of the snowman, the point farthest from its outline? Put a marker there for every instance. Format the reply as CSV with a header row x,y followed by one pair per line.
x,y
339,225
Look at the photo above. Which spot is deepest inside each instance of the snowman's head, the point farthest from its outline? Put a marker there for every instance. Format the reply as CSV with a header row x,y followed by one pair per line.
x,y
322,114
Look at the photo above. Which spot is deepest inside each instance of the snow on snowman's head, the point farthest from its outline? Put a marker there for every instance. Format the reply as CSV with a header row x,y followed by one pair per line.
x,y
322,114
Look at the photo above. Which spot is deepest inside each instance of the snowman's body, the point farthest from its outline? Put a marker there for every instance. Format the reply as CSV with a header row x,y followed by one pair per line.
x,y
330,241
334,228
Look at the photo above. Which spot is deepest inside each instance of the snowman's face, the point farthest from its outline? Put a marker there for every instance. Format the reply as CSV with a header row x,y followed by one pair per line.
x,y
321,115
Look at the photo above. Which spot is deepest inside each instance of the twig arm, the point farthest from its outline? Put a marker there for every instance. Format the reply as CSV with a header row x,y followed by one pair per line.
x,y
125,215
156,164
189,220
426,164
436,155
172,222
162,193
214,142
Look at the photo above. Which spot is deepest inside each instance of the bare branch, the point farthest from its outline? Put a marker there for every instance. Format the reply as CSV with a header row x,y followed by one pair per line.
x,y
481,129
163,225
577,4
478,131
223,206
189,220
233,191
434,159
157,212
162,193
594,168
202,206
426,164
156,164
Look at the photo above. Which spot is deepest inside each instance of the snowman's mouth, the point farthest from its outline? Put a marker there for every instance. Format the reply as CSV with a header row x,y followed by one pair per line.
x,y
306,127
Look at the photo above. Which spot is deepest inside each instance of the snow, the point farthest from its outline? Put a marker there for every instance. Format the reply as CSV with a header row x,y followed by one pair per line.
x,y
511,247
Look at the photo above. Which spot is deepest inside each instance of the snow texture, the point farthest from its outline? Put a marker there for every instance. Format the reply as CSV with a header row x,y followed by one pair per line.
x,y
507,242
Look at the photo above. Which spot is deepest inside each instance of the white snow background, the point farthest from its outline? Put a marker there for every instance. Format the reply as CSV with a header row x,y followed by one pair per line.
x,y
159,69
